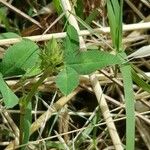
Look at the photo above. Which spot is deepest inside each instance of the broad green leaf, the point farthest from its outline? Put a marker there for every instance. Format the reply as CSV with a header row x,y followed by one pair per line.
x,y
71,42
67,80
89,61
8,35
19,57
9,98
7,72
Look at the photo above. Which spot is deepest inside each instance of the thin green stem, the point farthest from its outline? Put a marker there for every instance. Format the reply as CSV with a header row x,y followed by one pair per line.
x,y
25,101
36,85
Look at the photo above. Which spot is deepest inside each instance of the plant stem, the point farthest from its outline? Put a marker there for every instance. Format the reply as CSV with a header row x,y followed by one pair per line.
x,y
22,112
25,101
36,85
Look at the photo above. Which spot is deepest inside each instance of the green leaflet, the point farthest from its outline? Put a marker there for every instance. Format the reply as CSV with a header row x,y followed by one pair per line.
x,y
89,61
71,43
67,80
9,98
19,57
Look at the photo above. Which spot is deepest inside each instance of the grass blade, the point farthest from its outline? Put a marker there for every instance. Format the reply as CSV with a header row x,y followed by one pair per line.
x,y
115,9
129,105
140,82
25,124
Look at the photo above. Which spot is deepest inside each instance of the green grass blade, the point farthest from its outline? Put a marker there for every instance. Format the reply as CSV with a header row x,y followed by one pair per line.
x,y
139,71
140,82
85,134
112,21
115,22
116,8
79,9
119,40
92,16
129,105
25,124
67,80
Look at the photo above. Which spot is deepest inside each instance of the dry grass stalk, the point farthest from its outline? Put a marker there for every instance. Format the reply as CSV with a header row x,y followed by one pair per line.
x,y
104,30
